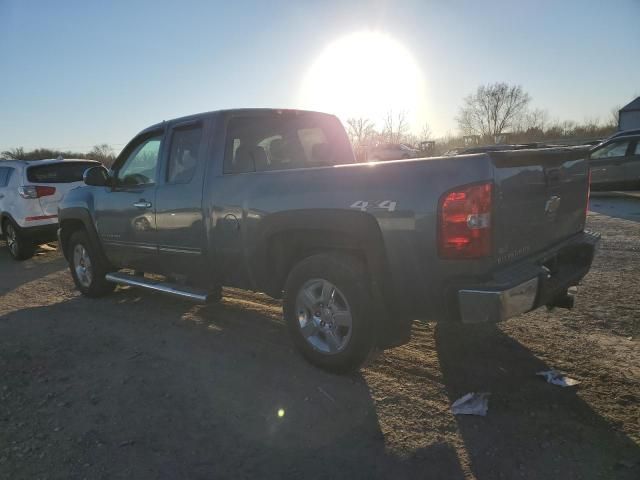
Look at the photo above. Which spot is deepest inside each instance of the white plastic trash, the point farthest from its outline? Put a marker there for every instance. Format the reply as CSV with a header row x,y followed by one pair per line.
x,y
556,378
471,404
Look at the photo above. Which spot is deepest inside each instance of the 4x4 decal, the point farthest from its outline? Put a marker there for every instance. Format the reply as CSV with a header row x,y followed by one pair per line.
x,y
365,205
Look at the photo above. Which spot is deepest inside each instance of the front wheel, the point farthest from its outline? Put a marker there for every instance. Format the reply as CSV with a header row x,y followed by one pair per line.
x,y
86,267
20,247
328,310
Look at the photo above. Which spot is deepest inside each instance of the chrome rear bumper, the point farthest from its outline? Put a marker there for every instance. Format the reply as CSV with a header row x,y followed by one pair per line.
x,y
483,306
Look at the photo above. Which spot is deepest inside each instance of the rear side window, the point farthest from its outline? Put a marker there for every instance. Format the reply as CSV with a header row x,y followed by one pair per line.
x,y
58,172
284,141
5,175
183,156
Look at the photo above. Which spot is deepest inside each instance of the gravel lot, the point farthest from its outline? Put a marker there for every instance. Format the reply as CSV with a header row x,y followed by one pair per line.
x,y
137,385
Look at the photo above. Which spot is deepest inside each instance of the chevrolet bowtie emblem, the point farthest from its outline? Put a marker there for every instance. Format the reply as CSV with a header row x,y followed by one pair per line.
x,y
552,205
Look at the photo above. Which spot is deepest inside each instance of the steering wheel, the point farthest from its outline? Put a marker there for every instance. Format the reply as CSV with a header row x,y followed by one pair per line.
x,y
135,179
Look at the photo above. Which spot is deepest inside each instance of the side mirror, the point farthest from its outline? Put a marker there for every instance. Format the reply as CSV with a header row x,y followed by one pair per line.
x,y
97,177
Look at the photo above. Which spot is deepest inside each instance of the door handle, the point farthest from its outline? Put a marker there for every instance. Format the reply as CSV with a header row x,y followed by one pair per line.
x,y
142,204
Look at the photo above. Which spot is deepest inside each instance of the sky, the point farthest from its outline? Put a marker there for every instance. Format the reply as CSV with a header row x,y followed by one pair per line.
x,y
74,74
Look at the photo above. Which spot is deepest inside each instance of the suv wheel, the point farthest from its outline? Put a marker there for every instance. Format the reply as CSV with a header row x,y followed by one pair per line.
x,y
328,310
86,267
19,247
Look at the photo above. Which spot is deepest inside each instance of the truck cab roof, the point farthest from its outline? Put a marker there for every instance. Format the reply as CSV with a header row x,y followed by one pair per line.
x,y
231,112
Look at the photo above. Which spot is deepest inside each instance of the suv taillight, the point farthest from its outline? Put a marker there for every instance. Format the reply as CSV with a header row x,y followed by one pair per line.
x,y
464,229
36,191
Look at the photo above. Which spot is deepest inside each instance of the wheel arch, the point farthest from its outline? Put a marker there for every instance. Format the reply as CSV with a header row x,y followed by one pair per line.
x,y
285,238
74,219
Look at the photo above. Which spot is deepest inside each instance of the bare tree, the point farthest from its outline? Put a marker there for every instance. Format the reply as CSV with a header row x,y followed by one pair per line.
x,y
360,130
15,154
536,120
395,126
425,133
614,120
39,154
492,109
103,153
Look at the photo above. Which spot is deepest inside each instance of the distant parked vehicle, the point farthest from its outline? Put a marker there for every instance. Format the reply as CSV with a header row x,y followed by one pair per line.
x,y
501,148
490,148
615,164
29,195
624,133
392,151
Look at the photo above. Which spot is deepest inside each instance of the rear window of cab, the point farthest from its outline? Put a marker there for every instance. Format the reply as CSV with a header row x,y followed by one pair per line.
x,y
67,172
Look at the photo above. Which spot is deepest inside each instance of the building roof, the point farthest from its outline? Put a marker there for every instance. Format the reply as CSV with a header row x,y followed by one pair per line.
x,y
632,107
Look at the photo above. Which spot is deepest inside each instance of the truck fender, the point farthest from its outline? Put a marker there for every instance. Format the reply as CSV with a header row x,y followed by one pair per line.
x,y
72,218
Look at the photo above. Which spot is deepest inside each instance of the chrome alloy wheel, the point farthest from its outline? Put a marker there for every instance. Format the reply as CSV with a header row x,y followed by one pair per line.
x,y
82,265
324,316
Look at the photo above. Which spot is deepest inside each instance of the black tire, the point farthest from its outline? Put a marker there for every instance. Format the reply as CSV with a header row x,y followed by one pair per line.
x,y
97,286
349,276
20,247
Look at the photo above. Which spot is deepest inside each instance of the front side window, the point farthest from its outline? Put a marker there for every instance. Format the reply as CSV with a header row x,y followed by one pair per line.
x,y
637,151
615,149
183,156
284,141
141,165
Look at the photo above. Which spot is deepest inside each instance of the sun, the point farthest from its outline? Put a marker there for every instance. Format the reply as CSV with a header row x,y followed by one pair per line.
x,y
365,74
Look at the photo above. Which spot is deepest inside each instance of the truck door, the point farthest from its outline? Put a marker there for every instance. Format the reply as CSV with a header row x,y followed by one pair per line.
x,y
179,215
125,211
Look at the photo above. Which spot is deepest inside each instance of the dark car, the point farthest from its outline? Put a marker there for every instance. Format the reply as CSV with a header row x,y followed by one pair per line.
x,y
615,164
392,151
624,133
273,201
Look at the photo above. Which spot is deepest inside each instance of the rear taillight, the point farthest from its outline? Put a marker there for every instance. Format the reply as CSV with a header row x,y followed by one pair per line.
x,y
465,222
36,191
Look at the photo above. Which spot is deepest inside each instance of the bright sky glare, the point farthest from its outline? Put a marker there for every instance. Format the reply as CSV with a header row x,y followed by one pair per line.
x,y
78,73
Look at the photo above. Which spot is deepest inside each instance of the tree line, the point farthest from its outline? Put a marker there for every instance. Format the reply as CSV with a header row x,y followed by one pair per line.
x,y
494,113
103,153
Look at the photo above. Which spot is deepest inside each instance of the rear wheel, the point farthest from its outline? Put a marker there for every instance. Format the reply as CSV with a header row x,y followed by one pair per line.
x,y
328,310
87,269
20,247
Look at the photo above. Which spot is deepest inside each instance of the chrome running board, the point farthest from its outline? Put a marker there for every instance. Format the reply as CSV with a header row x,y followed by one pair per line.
x,y
181,291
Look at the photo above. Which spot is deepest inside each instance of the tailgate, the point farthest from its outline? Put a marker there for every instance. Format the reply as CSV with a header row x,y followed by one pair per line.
x,y
540,199
50,203
61,176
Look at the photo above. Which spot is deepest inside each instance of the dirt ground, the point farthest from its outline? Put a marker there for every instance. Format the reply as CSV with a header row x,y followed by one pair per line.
x,y
138,385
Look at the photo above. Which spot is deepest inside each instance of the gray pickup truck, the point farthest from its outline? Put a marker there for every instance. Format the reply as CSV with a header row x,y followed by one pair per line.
x,y
273,201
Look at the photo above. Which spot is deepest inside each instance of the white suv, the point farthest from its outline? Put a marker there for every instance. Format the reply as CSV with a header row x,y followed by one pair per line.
x,y
29,195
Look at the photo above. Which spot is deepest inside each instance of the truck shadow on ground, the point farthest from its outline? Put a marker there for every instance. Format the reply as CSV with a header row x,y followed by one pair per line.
x,y
533,429
138,385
